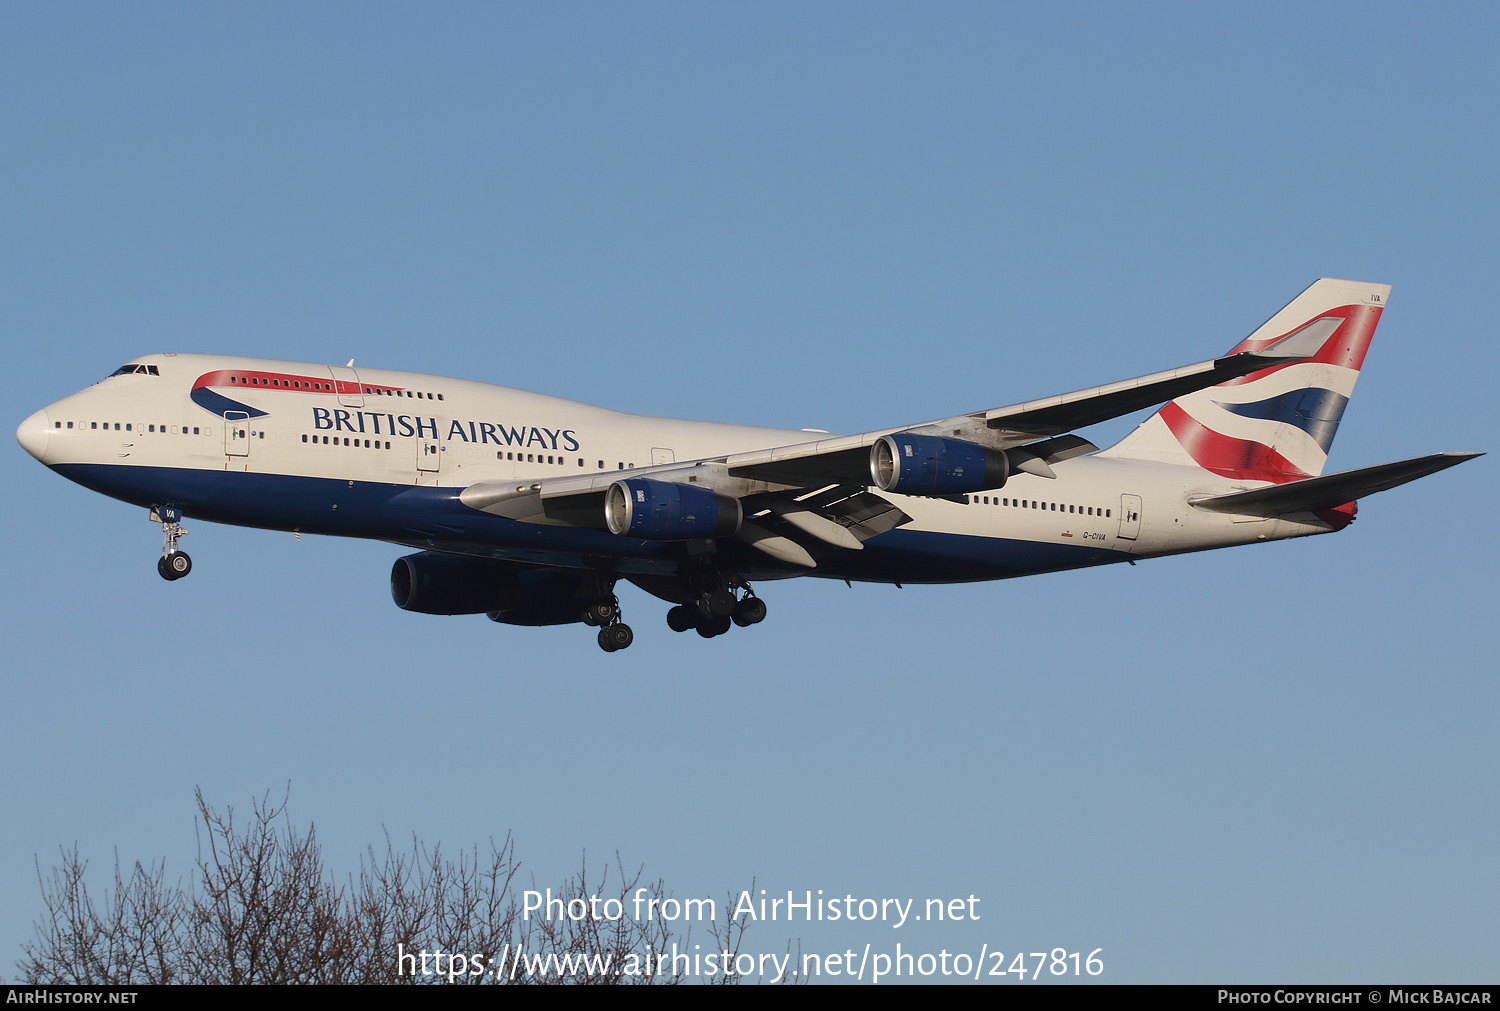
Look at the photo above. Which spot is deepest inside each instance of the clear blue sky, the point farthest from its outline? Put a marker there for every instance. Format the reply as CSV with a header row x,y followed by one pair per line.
x,y
1274,764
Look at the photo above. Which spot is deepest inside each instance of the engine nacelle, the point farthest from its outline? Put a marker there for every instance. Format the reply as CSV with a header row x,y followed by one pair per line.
x,y
444,584
930,465
663,511
565,613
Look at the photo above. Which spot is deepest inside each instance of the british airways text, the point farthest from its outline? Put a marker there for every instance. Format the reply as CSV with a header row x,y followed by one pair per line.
x,y
482,432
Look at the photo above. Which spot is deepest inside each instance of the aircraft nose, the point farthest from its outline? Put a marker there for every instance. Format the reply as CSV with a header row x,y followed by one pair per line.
x,y
32,435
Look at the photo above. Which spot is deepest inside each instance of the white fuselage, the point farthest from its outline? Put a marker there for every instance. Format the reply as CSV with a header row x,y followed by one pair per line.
x,y
286,445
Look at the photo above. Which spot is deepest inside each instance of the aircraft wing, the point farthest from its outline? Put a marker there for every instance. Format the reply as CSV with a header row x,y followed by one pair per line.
x,y
1033,426
846,458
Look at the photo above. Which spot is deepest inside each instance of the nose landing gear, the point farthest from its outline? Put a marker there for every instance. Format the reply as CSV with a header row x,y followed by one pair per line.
x,y
173,564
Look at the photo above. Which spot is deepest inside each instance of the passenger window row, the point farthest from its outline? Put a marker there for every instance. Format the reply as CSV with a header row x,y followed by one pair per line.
x,y
384,391
298,384
1022,503
541,458
561,461
357,442
283,383
322,387
94,426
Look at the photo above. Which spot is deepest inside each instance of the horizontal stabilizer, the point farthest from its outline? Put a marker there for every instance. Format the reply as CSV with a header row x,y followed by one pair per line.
x,y
1331,489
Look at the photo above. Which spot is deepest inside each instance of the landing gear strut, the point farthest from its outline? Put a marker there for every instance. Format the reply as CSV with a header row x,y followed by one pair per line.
x,y
173,564
604,612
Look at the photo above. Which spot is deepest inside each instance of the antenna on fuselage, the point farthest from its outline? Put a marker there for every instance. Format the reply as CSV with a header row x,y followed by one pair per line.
x,y
350,365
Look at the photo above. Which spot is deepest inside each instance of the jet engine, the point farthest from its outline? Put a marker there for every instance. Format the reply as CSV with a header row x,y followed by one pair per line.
x,y
446,584
930,465
663,511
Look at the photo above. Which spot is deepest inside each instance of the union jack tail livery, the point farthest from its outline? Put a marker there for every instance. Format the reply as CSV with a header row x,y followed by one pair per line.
x,y
1276,424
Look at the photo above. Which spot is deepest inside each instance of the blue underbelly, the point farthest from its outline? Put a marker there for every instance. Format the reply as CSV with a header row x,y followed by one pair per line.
x,y
435,518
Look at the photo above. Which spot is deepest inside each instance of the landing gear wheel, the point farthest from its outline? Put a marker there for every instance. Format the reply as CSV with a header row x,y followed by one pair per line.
x,y
749,611
710,627
682,618
175,566
600,612
615,637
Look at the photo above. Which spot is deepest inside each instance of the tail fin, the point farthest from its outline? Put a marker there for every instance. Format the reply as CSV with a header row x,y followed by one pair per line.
x,y
1276,424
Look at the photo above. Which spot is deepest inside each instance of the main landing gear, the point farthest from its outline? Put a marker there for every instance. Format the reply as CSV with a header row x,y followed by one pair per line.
x,y
717,607
173,564
604,612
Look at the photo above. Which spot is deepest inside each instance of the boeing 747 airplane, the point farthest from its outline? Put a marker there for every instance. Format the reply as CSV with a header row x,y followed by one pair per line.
x,y
530,509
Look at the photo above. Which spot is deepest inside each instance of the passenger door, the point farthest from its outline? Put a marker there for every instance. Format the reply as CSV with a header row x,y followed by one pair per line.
x,y
236,433
1130,517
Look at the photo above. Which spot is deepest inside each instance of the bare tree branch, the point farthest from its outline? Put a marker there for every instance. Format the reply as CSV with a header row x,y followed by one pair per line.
x,y
263,907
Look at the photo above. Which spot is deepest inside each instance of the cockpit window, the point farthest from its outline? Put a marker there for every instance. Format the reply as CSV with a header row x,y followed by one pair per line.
x,y
136,370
